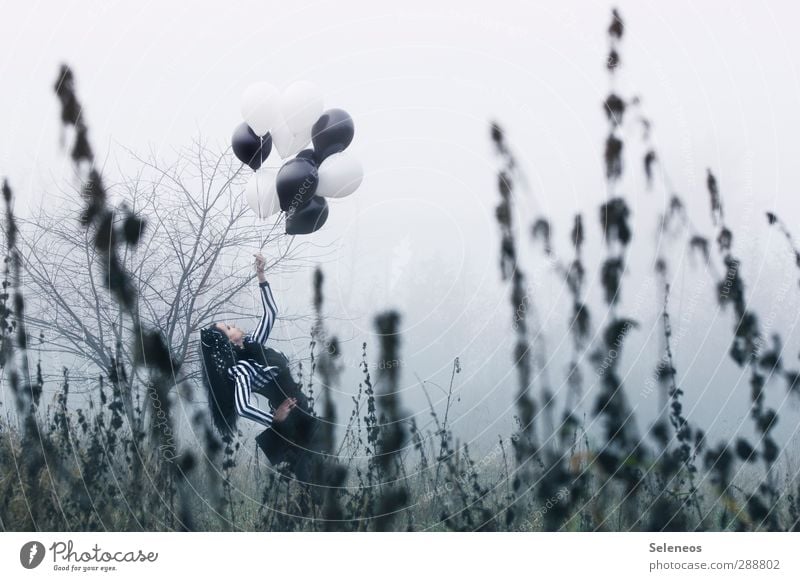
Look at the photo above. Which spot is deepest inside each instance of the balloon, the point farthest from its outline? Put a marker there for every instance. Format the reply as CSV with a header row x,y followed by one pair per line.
x,y
286,142
296,183
301,104
261,107
332,133
247,146
339,175
307,154
308,218
261,195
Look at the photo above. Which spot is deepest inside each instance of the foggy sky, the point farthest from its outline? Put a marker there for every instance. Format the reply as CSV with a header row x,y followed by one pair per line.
x,y
422,80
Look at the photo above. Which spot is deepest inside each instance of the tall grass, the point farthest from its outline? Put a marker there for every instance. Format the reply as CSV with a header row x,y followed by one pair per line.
x,y
117,463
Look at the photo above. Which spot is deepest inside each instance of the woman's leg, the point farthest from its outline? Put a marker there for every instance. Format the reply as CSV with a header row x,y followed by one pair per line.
x,y
293,439
273,446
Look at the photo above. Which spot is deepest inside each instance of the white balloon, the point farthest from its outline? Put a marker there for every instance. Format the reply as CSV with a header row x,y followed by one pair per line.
x,y
340,175
288,116
286,142
261,194
301,104
261,107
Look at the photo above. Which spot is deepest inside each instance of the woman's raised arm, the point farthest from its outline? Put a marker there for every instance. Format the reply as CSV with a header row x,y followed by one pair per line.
x,y
270,309
264,327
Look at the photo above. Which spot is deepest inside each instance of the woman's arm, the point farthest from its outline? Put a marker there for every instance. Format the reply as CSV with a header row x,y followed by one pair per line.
x,y
264,327
242,399
270,309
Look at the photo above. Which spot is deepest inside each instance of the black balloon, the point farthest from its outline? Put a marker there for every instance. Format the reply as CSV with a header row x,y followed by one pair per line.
x,y
308,218
308,154
248,148
296,183
332,133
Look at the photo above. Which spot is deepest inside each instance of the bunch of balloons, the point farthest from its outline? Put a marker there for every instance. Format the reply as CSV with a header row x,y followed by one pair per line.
x,y
289,121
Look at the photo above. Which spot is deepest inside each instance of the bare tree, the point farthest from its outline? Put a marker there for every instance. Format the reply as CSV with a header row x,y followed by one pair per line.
x,y
188,266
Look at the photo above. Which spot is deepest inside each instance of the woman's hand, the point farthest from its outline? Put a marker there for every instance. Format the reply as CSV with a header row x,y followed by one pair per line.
x,y
283,410
260,264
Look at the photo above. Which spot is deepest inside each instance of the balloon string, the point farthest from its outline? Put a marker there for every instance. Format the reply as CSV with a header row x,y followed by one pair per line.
x,y
261,156
272,229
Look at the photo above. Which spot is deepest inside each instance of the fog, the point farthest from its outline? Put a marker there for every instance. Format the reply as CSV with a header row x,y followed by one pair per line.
x,y
422,80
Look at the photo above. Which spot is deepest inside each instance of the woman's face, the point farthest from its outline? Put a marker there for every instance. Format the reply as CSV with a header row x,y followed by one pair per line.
x,y
234,334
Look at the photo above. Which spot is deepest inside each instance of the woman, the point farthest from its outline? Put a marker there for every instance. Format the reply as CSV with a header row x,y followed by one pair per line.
x,y
237,364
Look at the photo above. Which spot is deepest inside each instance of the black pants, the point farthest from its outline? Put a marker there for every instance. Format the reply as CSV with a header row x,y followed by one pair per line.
x,y
292,440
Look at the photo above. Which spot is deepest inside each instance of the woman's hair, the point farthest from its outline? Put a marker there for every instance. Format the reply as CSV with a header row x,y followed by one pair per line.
x,y
217,356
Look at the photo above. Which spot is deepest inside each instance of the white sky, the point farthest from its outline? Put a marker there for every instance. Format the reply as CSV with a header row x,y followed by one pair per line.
x,y
421,79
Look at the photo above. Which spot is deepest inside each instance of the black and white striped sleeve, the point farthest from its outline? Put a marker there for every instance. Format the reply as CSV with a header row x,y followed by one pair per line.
x,y
243,406
262,331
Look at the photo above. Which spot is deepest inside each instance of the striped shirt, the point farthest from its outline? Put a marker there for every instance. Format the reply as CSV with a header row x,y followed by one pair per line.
x,y
248,373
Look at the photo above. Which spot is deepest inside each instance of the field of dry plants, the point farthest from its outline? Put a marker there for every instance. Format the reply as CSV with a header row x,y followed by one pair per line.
x,y
121,463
